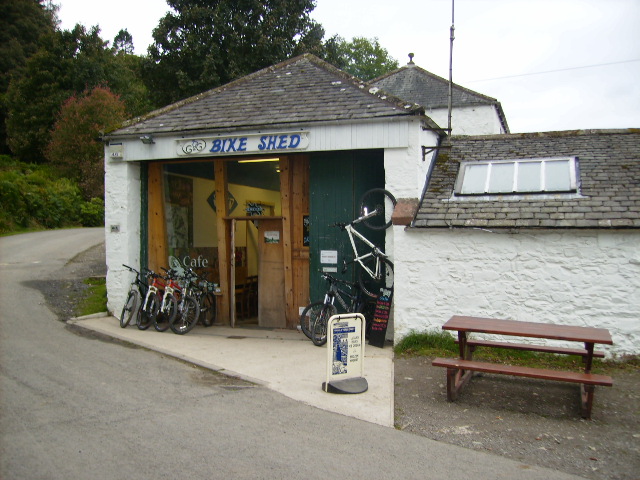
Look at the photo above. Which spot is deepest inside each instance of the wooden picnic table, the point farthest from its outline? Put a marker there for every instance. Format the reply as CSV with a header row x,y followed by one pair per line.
x,y
459,371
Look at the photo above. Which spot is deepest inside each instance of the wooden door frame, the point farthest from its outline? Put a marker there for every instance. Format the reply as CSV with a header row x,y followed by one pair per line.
x,y
294,195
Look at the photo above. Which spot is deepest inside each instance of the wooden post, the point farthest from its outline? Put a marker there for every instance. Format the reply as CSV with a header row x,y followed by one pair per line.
x,y
285,196
224,240
157,236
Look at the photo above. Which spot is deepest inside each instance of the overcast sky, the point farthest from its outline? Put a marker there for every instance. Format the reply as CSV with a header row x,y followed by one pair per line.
x,y
553,64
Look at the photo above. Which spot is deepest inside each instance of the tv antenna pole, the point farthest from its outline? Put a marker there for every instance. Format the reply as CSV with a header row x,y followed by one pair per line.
x,y
451,38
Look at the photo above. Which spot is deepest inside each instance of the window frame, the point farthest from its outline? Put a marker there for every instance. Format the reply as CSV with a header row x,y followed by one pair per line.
x,y
464,165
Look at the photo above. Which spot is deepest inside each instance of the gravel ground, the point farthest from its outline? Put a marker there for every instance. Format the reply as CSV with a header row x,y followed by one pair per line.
x,y
528,420
531,421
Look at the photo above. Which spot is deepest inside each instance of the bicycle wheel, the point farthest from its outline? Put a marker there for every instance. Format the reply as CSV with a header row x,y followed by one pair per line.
x,y
371,286
160,318
143,318
308,316
188,312
383,203
208,309
319,326
130,307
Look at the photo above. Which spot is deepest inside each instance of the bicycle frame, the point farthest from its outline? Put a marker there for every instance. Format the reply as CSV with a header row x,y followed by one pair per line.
x,y
375,251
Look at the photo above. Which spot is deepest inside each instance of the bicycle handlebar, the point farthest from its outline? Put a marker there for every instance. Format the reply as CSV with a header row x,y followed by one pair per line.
x,y
332,279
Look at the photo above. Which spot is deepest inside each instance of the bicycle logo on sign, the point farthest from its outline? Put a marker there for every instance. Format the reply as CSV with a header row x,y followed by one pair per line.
x,y
196,146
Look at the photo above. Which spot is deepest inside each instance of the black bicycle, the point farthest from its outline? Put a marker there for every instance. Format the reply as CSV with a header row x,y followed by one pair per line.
x,y
137,292
315,317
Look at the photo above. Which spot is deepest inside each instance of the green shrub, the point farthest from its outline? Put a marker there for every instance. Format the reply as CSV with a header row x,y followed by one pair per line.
x,y
92,213
37,197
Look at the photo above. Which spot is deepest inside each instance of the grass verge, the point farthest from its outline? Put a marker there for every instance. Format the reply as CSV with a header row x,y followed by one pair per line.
x,y
442,344
95,298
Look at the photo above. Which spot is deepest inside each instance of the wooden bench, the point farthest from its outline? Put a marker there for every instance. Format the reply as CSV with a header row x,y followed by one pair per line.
x,y
472,344
460,370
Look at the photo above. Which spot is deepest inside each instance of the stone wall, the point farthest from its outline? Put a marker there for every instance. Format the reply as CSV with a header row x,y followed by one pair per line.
x,y
577,277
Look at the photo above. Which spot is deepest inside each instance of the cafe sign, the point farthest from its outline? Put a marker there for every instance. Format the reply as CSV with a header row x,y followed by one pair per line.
x,y
243,144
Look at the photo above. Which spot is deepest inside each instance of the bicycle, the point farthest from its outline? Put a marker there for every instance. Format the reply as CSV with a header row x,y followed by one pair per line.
x,y
376,207
167,308
206,298
186,309
151,305
315,317
137,291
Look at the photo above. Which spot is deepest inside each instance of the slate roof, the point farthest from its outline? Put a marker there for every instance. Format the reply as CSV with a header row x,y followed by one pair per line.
x,y
302,90
417,85
608,194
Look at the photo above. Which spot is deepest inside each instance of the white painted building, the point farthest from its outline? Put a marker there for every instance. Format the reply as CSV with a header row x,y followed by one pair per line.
x,y
472,113
567,255
301,141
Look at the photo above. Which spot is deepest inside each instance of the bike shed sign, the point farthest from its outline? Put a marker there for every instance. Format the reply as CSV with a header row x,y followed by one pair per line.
x,y
243,144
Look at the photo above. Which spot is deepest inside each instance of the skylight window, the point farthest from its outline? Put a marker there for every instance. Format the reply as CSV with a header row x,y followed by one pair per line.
x,y
539,175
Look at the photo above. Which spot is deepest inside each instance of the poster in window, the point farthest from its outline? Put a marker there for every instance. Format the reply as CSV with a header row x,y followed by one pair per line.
x,y
179,211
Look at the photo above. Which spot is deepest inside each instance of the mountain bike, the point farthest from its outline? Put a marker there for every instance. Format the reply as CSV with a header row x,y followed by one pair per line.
x,y
376,270
167,308
137,291
186,309
315,317
205,296
151,304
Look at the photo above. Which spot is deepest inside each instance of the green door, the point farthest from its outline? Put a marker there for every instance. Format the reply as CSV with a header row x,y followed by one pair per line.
x,y
337,181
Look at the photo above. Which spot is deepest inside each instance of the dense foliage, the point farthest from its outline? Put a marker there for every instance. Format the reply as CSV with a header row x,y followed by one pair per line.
x,y
363,58
68,63
35,197
204,44
47,74
75,147
22,24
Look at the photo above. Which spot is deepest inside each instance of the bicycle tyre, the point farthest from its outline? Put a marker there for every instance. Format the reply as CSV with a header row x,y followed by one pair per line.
x,y
308,316
143,318
384,202
188,312
129,308
371,286
319,327
208,309
160,318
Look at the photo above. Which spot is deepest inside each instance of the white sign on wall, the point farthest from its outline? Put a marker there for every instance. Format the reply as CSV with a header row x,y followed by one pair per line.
x,y
243,144
329,256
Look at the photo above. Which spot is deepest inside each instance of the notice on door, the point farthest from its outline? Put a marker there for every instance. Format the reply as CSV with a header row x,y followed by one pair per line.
x,y
329,257
272,236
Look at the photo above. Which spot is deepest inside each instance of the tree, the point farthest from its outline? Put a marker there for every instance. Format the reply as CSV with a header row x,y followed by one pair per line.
x,y
74,147
123,42
67,63
22,24
362,58
205,44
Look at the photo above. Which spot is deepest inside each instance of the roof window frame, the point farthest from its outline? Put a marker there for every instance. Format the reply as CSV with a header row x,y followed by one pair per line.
x,y
571,187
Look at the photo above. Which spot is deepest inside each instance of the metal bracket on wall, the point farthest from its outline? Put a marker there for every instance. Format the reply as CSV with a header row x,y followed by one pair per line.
x,y
426,150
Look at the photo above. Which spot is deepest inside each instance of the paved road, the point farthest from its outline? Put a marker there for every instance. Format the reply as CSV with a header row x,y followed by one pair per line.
x,y
78,407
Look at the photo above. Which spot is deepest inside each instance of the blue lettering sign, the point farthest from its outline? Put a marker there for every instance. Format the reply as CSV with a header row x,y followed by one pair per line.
x,y
243,145
295,141
216,147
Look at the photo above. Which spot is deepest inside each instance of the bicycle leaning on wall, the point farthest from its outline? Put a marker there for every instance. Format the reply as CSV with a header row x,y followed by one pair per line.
x,y
137,292
376,270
